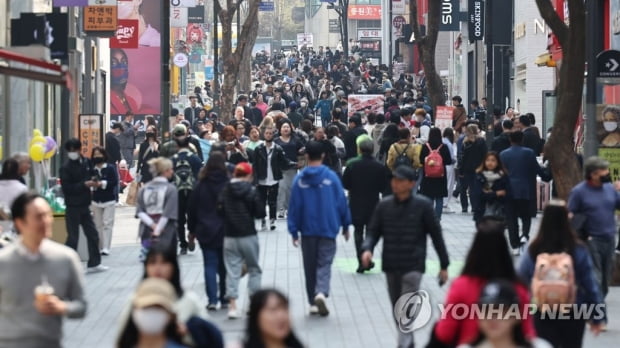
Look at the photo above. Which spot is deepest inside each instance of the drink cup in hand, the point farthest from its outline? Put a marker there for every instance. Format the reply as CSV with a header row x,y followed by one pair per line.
x,y
43,291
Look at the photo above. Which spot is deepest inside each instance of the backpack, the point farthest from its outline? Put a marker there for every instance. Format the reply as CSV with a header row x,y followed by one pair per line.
x,y
183,174
402,159
554,281
433,163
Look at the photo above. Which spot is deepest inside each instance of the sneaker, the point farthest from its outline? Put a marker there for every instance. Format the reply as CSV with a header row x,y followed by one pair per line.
x,y
314,310
97,269
211,307
447,210
272,225
223,305
464,211
191,244
281,214
516,251
233,314
105,252
523,240
319,301
183,251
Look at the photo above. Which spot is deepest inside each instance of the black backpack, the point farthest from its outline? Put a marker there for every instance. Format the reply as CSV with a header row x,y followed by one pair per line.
x,y
183,174
403,159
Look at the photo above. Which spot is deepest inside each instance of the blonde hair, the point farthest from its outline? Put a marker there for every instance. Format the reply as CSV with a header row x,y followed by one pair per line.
x,y
472,130
267,121
157,166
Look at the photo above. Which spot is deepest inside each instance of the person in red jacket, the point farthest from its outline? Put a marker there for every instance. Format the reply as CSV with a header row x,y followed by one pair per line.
x,y
124,175
488,259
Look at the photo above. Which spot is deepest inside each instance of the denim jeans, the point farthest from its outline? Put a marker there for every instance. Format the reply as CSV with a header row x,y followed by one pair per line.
x,y
438,207
213,259
318,256
602,252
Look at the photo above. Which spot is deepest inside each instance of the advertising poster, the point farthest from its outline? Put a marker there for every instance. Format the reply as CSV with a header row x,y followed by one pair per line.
x,y
443,117
612,155
608,122
360,102
126,34
91,133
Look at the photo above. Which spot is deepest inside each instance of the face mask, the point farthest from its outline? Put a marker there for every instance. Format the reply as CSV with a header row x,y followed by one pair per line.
x,y
150,135
606,178
610,126
120,73
303,105
74,156
98,160
151,321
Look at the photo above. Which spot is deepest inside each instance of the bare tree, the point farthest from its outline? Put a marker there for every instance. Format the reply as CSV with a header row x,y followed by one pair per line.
x,y
245,41
559,148
427,44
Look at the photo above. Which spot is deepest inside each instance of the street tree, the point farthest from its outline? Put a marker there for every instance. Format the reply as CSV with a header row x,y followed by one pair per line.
x,y
341,6
232,60
427,42
560,148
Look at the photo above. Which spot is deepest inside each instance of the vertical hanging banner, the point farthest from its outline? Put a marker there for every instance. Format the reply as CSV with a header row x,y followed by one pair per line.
x,y
476,20
450,13
91,132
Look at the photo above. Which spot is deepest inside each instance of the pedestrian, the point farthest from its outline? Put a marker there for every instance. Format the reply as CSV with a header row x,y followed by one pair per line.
x,y
148,150
340,150
180,133
377,133
595,200
103,203
240,133
254,139
240,119
10,188
235,152
489,244
459,114
78,184
112,145
531,135
350,137
25,163
152,322
157,207
292,149
208,226
186,166
522,168
502,141
192,112
403,220
388,138
491,186
449,141
435,183
127,138
325,107
365,179
318,209
556,238
404,152
239,204
497,326
269,321
41,281
474,149
270,162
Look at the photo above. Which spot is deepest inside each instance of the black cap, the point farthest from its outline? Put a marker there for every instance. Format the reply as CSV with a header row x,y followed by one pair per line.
x,y
499,292
117,125
406,173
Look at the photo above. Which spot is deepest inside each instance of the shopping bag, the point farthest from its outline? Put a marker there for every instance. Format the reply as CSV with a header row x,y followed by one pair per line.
x,y
132,193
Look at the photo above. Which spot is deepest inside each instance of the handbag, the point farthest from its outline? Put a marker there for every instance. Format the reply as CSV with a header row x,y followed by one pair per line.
x,y
132,193
495,210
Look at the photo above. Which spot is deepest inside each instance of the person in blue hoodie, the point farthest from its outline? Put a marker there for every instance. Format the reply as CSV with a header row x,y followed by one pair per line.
x,y
317,210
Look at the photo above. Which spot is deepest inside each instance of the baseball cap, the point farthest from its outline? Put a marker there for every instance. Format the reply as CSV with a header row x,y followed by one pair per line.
x,y
243,169
179,130
155,292
405,172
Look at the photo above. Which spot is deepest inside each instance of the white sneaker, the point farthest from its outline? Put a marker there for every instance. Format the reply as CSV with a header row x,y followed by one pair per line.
x,y
523,240
319,301
105,251
516,251
447,210
233,314
97,269
314,310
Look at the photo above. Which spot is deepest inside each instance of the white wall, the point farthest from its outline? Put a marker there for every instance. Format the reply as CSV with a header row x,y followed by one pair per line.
x,y
319,27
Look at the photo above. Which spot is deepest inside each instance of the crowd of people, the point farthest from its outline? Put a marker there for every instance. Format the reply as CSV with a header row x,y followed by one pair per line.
x,y
290,152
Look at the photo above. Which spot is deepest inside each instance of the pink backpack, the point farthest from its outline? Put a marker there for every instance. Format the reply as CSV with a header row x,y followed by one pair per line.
x,y
554,281
433,163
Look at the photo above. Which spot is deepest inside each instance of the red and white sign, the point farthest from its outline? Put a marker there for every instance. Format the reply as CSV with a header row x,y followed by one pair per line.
x,y
126,35
364,12
368,33
443,117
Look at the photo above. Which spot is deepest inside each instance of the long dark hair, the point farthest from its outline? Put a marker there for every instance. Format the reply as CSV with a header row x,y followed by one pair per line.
x,y
434,138
500,166
215,164
448,133
489,244
258,301
555,234
169,257
130,335
10,169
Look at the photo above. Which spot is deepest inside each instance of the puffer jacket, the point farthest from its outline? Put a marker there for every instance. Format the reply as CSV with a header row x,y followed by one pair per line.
x,y
239,204
404,227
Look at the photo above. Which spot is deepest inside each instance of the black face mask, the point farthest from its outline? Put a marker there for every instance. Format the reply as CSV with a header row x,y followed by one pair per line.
x,y
150,135
605,178
98,160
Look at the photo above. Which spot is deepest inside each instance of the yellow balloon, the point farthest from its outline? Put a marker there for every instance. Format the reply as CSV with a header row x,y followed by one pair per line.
x,y
37,152
38,140
37,133
50,154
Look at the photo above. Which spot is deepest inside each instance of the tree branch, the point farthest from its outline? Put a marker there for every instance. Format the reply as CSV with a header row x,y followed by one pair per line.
x,y
559,28
250,20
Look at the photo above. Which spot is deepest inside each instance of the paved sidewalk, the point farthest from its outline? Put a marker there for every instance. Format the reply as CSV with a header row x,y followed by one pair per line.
x,y
361,314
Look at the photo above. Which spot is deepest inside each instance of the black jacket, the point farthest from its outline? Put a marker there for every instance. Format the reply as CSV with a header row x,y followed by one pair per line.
x,y
73,175
365,179
532,140
500,143
472,155
500,184
436,187
279,162
113,148
404,227
239,204
110,175
349,140
203,219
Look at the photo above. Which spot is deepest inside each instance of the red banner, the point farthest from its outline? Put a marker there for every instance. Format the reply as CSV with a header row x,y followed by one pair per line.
x,y
126,34
365,12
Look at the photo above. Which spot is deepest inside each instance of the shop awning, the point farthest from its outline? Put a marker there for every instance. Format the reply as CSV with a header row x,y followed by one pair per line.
x,y
33,69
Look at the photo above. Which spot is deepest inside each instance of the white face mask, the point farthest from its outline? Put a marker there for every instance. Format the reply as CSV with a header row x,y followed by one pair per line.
x,y
610,126
150,321
303,105
73,155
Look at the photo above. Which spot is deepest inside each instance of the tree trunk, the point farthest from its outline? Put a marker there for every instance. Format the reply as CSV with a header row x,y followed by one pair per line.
x,y
560,148
245,68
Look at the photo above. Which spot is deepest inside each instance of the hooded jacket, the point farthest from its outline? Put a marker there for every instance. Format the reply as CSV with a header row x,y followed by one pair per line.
x,y
318,206
203,219
239,205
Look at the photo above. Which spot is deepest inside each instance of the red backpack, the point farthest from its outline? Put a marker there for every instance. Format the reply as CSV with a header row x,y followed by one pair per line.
x,y
433,163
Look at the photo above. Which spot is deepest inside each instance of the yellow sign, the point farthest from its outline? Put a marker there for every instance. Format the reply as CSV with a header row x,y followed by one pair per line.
x,y
100,18
612,155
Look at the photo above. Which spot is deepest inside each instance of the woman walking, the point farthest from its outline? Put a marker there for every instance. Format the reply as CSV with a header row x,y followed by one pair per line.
x,y
148,150
433,186
449,142
103,203
491,187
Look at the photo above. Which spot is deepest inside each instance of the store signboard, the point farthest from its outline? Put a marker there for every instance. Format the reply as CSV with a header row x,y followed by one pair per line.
x,y
443,118
368,33
126,34
91,132
364,12
100,18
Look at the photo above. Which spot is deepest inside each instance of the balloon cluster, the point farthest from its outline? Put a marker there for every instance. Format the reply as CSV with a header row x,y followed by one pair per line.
x,y
42,148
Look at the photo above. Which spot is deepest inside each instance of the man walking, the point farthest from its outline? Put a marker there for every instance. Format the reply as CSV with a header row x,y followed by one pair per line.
x,y
365,178
127,138
404,220
41,281
317,210
77,182
112,145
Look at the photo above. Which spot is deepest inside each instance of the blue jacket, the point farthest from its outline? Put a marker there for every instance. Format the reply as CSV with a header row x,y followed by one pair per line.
x,y
325,105
588,291
318,206
522,167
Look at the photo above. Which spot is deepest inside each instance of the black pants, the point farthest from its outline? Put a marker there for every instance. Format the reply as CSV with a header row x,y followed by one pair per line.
x,y
518,209
74,217
466,184
269,195
565,333
359,239
183,200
